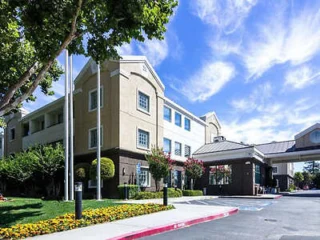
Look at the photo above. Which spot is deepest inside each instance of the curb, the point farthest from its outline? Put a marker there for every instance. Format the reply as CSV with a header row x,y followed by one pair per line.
x,y
173,226
268,198
277,197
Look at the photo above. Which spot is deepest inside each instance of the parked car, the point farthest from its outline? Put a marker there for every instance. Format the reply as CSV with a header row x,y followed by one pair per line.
x,y
306,187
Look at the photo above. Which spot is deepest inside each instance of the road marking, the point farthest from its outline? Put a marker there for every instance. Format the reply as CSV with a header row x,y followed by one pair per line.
x,y
205,203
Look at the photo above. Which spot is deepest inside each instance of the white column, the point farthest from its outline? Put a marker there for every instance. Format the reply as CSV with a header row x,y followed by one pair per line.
x,y
66,133
98,135
71,134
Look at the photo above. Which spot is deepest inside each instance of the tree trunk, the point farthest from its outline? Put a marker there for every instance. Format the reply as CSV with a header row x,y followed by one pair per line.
x,y
157,185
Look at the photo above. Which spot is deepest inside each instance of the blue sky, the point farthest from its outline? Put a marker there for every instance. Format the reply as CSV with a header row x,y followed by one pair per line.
x,y
255,63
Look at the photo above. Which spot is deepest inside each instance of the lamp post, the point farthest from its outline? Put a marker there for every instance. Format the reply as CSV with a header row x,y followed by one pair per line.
x,y
125,191
165,191
78,202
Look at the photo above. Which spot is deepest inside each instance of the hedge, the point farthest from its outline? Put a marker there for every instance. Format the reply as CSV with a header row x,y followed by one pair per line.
x,y
192,193
89,217
106,166
150,195
132,190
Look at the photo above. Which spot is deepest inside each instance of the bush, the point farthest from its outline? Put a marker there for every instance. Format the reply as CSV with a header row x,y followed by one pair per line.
x,y
89,217
172,192
192,193
82,171
132,190
107,169
150,195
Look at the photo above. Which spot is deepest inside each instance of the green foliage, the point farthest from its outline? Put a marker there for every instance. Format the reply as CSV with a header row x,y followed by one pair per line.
x,y
20,167
107,169
34,33
292,187
316,180
82,171
312,167
298,178
307,178
160,165
172,193
193,169
192,193
132,190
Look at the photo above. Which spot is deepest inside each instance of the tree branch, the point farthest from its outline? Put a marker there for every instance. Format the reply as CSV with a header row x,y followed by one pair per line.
x,y
8,106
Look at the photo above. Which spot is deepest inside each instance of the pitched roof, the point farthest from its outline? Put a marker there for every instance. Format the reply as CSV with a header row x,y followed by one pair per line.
x,y
220,146
276,147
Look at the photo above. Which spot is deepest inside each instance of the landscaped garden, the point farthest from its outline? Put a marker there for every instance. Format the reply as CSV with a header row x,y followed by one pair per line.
x,y
22,218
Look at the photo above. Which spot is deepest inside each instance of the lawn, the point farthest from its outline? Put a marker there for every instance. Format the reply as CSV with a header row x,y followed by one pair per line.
x,y
30,210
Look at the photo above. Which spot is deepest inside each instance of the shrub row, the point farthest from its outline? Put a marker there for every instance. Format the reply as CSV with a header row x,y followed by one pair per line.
x,y
132,190
192,193
150,195
67,221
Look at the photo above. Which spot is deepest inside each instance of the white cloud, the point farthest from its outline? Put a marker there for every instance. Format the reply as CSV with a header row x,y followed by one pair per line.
x,y
226,15
155,50
125,49
280,39
301,77
208,81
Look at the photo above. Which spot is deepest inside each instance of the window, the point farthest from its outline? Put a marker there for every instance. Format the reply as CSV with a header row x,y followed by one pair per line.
x,y
143,102
12,134
144,177
220,175
187,151
26,130
93,184
274,169
167,145
177,149
93,101
60,118
187,124
257,174
143,139
177,119
93,138
167,113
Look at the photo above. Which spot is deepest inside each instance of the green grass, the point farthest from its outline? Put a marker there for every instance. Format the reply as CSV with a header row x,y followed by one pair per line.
x,y
30,210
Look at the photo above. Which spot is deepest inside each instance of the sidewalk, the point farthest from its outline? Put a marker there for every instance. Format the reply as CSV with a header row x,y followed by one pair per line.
x,y
132,228
260,196
170,200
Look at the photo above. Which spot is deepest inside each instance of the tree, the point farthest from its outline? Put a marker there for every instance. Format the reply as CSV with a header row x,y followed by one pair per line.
x,y
34,33
298,179
316,180
50,158
307,178
312,167
82,171
107,169
193,169
160,165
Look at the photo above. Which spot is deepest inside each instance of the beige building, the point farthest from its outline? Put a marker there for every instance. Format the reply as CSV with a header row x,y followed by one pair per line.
x,y
134,117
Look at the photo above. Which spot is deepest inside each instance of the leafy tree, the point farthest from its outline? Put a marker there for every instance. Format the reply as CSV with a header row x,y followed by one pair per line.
x,y
82,171
298,178
160,165
50,158
312,167
107,168
316,180
193,169
307,178
34,33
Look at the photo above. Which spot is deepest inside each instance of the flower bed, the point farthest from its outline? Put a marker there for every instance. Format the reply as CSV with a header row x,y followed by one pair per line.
x,y
89,217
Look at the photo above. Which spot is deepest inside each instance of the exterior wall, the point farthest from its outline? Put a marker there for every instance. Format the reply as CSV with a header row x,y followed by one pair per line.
x,y
304,141
12,146
213,129
86,119
284,169
194,138
284,181
131,118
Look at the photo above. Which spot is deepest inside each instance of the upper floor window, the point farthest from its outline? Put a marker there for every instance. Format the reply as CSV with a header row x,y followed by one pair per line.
x,y
167,145
143,139
177,119
12,134
177,149
167,113
187,151
274,169
187,124
93,138
93,99
144,102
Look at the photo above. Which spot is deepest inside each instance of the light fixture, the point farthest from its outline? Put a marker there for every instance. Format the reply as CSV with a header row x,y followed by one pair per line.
x,y
248,162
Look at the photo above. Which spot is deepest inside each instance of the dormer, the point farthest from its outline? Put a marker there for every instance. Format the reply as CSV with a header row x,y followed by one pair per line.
x,y
308,138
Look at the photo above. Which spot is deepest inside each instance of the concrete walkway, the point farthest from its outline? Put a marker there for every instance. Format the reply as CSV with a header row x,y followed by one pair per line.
x,y
170,200
132,228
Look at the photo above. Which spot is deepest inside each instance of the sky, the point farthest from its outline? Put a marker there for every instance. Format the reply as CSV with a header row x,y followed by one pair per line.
x,y
256,64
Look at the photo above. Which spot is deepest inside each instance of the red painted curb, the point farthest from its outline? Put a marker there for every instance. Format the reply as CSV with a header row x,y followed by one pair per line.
x,y
173,226
277,197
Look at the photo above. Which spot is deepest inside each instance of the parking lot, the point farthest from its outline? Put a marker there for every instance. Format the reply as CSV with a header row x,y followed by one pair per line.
x,y
242,204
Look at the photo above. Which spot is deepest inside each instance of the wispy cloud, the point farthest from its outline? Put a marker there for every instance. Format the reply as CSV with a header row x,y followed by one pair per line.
x,y
155,50
226,15
282,38
126,49
208,81
301,77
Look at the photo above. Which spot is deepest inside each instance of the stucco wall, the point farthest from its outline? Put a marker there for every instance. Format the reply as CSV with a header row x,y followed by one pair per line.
x,y
304,141
12,146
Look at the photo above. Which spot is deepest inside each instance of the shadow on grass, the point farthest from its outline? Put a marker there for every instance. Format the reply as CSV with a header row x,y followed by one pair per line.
x,y
8,216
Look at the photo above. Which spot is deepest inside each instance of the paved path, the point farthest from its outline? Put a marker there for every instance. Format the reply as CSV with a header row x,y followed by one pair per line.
x,y
170,200
184,215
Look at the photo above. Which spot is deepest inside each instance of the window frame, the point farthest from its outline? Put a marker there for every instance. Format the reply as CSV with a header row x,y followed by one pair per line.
x,y
137,140
185,119
10,136
170,109
146,168
90,98
90,185
170,142
175,115
138,102
89,138
185,150
175,144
